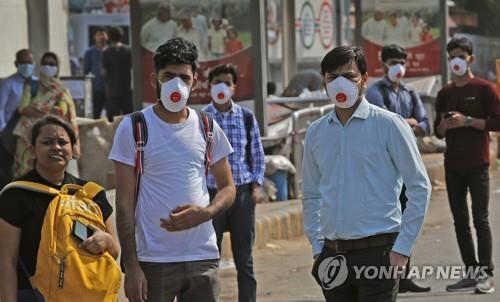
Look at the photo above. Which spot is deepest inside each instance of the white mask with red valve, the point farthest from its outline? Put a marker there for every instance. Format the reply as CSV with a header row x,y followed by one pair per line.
x,y
174,94
220,93
458,66
396,73
343,92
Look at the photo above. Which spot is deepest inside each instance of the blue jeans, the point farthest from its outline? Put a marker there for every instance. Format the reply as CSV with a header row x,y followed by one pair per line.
x,y
239,220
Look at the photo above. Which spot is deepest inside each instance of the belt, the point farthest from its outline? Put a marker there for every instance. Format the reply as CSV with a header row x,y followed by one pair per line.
x,y
341,245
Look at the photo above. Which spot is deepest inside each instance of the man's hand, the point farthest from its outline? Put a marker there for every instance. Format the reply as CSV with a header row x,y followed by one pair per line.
x,y
98,243
185,217
397,259
412,122
457,120
257,196
418,131
136,285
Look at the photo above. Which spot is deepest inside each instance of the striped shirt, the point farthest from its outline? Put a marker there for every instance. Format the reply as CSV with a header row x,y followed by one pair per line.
x,y
233,124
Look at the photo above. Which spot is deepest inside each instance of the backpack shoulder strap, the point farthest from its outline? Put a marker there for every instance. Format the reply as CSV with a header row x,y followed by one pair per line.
x,y
385,94
30,186
140,130
207,126
248,120
92,189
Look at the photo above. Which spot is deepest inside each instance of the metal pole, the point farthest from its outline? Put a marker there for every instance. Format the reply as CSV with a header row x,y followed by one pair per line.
x,y
135,28
259,45
289,67
445,73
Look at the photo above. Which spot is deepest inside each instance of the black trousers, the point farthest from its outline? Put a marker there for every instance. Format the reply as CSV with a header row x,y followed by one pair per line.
x,y
118,105
98,101
355,288
475,181
239,220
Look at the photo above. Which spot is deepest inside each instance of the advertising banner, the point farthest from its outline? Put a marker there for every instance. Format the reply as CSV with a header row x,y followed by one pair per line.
x,y
411,24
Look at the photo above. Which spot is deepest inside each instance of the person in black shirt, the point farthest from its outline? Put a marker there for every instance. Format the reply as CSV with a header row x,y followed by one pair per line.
x,y
116,68
22,212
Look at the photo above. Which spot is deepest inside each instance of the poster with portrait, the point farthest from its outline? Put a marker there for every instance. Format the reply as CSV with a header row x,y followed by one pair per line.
x,y
219,29
314,28
274,29
411,24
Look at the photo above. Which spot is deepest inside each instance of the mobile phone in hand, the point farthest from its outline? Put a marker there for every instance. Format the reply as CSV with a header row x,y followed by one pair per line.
x,y
448,114
80,231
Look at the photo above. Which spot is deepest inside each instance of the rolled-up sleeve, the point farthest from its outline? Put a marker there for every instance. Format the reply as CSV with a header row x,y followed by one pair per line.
x,y
311,201
406,157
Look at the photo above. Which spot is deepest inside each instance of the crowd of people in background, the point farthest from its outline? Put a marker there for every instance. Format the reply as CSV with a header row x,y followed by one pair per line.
x,y
214,37
185,176
396,27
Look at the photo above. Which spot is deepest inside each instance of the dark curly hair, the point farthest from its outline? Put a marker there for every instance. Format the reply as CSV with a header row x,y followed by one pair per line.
x,y
176,51
223,68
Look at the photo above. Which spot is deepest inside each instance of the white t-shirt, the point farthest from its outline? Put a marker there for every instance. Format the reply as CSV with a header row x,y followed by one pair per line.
x,y
154,33
174,175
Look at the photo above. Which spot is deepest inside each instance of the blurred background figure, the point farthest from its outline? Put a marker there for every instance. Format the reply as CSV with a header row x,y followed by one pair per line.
x,y
116,69
92,65
51,97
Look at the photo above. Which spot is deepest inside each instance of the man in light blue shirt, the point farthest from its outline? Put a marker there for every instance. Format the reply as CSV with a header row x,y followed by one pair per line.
x,y
355,161
11,88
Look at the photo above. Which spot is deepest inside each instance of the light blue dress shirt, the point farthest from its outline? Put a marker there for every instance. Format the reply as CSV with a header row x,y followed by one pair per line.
x,y
352,178
11,90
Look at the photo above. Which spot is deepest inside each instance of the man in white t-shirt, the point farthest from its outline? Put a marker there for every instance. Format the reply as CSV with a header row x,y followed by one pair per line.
x,y
168,241
159,29
216,39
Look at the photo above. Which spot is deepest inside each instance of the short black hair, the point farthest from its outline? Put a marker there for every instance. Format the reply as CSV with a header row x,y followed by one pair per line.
x,y
20,53
462,42
271,88
176,51
115,34
51,119
393,51
223,68
99,29
341,56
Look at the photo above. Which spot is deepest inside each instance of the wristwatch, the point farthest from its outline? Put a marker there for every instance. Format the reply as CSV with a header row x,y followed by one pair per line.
x,y
468,122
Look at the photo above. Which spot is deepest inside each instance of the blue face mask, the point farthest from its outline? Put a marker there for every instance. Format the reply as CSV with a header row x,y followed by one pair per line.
x,y
26,70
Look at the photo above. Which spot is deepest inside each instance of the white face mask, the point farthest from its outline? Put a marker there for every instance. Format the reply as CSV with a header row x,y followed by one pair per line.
x,y
396,73
174,94
48,70
342,92
221,93
458,66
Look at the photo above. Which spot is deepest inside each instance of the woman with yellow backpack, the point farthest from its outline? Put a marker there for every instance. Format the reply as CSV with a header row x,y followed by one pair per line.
x,y
57,235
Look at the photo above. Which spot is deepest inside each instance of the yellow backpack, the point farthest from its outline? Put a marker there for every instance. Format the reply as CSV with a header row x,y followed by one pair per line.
x,y
65,272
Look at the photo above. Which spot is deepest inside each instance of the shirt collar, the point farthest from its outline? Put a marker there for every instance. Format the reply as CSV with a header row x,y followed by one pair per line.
x,y
233,109
362,112
388,83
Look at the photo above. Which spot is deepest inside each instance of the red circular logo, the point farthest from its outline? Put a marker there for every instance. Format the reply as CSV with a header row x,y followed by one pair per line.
x,y
175,97
399,75
456,67
221,96
341,97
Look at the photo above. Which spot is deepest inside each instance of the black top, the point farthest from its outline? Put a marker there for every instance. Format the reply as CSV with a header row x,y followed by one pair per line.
x,y
468,147
26,210
117,62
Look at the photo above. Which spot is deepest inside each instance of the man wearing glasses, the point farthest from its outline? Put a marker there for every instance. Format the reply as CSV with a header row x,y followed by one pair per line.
x,y
392,94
